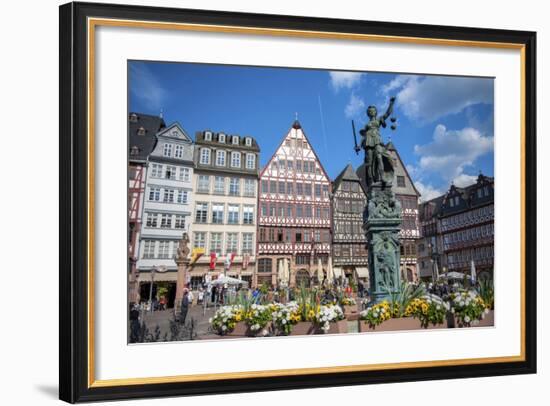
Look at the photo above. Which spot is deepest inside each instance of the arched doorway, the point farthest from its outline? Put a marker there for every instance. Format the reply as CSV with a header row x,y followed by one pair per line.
x,y
302,278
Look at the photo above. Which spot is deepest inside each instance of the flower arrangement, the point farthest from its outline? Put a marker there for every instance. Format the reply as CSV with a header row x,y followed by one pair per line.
x,y
226,317
284,316
347,301
468,307
328,314
429,309
257,317
376,314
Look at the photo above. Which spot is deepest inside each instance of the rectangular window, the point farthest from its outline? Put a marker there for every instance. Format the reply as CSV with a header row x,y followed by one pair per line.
x,y
178,151
185,174
289,188
307,236
325,191
298,237
168,196
220,158
164,249
235,140
272,208
299,189
167,150
290,165
235,159
219,185
299,211
148,249
308,211
204,184
298,166
250,187
264,209
248,215
234,187
282,187
233,214
317,212
166,221
317,190
273,186
182,196
265,186
247,243
180,222
199,240
400,181
307,189
250,161
302,259
154,194
289,211
216,243
217,213
205,156
156,170
232,243
151,220
201,212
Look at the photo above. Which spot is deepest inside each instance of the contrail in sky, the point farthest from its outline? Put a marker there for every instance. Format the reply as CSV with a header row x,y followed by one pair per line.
x,y
322,124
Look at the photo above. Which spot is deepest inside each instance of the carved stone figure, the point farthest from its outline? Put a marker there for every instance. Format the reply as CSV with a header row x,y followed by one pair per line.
x,y
183,248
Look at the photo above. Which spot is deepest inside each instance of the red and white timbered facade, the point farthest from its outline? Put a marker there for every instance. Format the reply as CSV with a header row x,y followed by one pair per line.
x,y
294,218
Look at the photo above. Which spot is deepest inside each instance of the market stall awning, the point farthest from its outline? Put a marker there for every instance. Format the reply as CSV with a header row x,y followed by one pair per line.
x,y
362,272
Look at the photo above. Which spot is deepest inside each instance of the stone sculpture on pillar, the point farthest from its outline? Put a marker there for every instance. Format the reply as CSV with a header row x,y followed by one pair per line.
x,y
382,218
182,261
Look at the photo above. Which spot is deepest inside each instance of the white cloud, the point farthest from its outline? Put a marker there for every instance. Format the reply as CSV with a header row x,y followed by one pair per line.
x,y
345,80
428,98
355,106
464,180
427,192
145,86
450,152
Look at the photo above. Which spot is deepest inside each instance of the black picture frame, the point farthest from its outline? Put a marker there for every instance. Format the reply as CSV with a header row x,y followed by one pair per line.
x,y
74,385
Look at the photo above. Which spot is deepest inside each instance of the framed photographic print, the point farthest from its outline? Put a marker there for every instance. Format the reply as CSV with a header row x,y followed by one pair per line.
x,y
258,202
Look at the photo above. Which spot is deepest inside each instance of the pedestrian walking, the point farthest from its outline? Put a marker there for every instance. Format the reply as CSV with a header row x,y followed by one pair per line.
x,y
184,306
191,297
134,323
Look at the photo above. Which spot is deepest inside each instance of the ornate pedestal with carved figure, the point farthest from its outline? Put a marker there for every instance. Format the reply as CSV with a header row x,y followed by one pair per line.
x,y
382,230
182,261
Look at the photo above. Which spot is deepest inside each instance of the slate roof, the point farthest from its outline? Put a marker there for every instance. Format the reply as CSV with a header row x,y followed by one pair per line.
x,y
199,139
141,143
347,174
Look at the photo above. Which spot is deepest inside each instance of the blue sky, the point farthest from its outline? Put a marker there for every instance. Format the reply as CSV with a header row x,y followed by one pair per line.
x,y
445,124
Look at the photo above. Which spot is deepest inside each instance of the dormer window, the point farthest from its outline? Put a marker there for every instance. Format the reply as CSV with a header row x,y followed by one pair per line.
x,y
141,131
248,141
175,133
208,136
221,138
235,140
133,118
167,150
134,151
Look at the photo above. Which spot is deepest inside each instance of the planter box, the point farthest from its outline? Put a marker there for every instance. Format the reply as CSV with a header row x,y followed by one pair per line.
x,y
403,323
242,330
340,327
303,328
351,312
487,321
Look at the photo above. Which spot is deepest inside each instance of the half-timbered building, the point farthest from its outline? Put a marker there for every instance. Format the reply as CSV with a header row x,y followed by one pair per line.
x,y
294,242
142,130
349,244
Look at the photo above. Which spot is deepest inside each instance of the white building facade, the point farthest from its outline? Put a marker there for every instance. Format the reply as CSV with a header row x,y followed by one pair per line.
x,y
167,209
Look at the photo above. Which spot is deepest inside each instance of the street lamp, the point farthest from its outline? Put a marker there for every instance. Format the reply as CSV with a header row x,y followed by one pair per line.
x,y
160,269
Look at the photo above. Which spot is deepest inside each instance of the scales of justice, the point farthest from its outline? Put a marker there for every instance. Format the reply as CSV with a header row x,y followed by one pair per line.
x,y
382,215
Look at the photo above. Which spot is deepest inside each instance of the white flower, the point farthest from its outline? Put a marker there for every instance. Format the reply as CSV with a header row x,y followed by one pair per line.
x,y
210,320
284,321
467,319
486,311
224,328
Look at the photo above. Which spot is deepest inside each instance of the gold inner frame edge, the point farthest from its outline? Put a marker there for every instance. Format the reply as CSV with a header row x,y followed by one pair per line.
x,y
94,22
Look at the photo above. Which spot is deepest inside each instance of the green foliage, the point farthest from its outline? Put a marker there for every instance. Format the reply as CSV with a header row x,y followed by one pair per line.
x,y
403,298
486,290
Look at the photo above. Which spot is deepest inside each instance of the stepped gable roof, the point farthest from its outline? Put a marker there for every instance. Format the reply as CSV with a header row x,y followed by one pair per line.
x,y
142,130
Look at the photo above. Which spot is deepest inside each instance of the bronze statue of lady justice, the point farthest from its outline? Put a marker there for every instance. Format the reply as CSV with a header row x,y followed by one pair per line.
x,y
378,161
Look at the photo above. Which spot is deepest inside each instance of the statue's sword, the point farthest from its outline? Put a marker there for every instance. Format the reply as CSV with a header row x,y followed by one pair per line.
x,y
354,137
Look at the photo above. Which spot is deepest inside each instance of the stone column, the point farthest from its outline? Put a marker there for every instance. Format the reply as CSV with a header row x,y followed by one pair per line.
x,y
182,261
382,227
